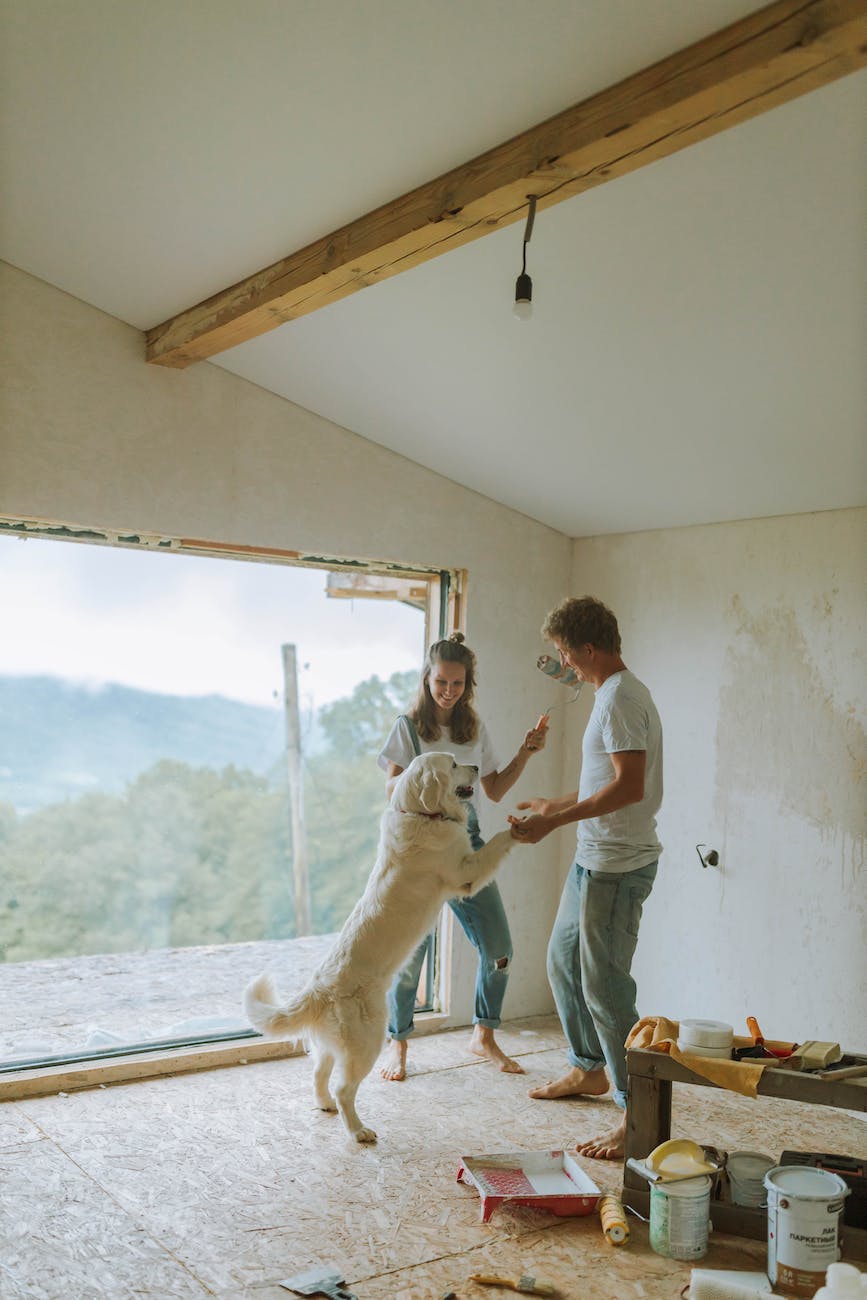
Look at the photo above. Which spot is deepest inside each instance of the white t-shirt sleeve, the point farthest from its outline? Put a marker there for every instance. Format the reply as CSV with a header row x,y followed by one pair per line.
x,y
624,726
398,748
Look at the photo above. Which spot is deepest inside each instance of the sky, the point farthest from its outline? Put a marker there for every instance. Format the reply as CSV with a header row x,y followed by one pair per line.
x,y
185,625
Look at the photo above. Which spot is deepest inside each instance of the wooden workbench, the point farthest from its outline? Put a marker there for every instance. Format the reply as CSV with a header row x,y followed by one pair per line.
x,y
648,1123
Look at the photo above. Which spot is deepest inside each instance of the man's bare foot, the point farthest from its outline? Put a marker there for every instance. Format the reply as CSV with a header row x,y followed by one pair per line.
x,y
483,1043
607,1147
577,1083
395,1064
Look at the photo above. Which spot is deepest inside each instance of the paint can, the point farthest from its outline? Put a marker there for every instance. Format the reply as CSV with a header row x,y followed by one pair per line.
x,y
679,1218
805,1206
746,1171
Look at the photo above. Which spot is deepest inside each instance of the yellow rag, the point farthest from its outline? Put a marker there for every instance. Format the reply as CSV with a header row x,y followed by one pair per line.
x,y
658,1034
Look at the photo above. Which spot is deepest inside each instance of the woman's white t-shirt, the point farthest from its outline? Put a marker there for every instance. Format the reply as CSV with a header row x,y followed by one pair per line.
x,y
399,749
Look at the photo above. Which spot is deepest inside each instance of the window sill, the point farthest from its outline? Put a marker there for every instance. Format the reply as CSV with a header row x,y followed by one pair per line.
x,y
48,1080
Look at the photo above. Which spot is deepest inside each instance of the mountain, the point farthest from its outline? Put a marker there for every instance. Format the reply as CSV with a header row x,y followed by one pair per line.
x,y
60,739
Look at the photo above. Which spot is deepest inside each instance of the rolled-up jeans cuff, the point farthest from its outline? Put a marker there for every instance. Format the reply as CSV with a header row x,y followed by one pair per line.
x,y
585,1063
402,1035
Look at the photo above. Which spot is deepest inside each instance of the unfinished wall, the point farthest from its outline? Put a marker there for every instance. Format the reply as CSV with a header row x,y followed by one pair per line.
x,y
752,638
91,435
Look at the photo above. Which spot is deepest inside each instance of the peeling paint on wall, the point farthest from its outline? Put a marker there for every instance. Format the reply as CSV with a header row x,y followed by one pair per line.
x,y
752,637
775,704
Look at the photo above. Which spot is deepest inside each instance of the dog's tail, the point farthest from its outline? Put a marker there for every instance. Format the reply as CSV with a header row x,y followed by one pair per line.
x,y
260,1004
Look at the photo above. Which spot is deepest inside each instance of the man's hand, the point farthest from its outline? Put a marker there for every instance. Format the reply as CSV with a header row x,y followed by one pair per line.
x,y
530,830
536,805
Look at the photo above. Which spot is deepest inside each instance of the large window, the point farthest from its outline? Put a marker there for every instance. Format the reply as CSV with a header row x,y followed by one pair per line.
x,y
188,779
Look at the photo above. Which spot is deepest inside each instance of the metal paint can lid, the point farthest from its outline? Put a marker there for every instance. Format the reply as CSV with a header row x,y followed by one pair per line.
x,y
805,1183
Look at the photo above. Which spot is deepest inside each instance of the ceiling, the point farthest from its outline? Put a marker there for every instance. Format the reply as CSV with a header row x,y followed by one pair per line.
x,y
697,348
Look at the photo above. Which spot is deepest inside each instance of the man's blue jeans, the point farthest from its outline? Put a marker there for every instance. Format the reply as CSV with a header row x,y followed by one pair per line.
x,y
484,922
589,961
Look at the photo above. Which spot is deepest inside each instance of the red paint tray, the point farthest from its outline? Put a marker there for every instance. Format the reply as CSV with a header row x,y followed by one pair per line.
x,y
544,1180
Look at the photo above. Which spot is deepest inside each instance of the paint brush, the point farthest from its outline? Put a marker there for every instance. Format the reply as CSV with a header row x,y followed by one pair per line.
x,y
525,1284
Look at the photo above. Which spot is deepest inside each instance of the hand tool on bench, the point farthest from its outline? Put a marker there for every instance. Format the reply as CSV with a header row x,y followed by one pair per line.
x,y
847,1072
760,1049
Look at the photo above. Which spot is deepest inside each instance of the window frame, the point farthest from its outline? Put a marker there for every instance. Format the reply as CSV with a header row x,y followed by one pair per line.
x,y
67,1072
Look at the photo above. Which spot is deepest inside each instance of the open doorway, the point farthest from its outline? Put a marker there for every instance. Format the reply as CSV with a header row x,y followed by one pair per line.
x,y
151,825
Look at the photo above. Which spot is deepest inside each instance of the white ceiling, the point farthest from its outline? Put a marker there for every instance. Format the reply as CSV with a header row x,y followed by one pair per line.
x,y
700,328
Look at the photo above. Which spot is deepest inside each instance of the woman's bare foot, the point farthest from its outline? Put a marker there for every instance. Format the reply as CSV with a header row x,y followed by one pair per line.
x,y
483,1043
577,1083
395,1064
607,1147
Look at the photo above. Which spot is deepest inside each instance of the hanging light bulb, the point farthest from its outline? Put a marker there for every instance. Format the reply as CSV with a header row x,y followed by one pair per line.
x,y
523,308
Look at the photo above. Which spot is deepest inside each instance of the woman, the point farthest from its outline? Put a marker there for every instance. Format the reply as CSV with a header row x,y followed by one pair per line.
x,y
443,719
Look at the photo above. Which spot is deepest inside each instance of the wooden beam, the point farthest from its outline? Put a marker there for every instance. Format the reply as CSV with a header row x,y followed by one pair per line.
x,y
774,55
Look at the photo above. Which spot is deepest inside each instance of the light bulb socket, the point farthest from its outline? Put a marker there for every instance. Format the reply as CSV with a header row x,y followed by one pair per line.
x,y
523,288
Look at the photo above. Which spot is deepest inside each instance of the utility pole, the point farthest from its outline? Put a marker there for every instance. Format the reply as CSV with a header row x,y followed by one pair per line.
x,y
296,792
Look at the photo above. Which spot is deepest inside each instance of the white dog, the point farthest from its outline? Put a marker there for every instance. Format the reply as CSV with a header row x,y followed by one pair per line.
x,y
424,859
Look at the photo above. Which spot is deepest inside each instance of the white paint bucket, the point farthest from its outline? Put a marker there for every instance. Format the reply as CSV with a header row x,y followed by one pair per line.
x,y
746,1171
679,1214
804,1210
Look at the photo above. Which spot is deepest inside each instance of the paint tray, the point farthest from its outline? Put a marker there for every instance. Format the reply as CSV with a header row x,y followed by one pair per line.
x,y
544,1180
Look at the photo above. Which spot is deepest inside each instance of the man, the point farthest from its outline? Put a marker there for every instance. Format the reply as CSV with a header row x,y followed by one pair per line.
x,y
594,937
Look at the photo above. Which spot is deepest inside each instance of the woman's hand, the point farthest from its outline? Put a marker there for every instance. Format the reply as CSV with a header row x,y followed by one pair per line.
x,y
536,737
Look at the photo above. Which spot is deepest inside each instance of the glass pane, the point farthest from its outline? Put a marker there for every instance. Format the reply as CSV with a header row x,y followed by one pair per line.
x,y
146,848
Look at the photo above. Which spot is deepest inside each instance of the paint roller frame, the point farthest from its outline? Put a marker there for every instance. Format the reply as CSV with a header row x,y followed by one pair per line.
x,y
565,676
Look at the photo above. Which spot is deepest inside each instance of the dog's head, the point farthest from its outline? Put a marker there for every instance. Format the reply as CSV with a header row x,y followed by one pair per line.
x,y
434,785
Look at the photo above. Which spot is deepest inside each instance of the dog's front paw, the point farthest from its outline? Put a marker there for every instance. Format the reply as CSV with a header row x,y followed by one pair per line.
x,y
364,1135
327,1103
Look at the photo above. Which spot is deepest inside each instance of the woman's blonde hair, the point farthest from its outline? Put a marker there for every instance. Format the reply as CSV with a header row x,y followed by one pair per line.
x,y
463,726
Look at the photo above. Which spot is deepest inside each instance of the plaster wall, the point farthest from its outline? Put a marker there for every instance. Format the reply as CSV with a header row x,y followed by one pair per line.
x,y
91,435
751,636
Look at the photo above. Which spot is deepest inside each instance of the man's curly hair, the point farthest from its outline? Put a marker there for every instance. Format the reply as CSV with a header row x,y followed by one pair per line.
x,y
583,620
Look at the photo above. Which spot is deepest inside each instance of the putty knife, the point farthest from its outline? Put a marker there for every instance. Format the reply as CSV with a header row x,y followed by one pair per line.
x,y
318,1281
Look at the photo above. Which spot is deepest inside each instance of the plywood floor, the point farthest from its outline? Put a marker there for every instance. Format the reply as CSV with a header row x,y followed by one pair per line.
x,y
222,1183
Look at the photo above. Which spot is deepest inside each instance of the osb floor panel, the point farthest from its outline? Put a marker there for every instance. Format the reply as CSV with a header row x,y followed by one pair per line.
x,y
222,1183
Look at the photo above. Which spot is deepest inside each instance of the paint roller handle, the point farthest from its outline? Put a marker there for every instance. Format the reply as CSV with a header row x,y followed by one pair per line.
x,y
781,1053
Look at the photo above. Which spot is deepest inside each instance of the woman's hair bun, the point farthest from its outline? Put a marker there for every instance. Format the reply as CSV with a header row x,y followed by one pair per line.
x,y
457,637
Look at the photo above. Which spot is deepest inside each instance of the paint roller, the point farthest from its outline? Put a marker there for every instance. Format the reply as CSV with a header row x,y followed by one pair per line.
x,y
727,1284
613,1218
559,673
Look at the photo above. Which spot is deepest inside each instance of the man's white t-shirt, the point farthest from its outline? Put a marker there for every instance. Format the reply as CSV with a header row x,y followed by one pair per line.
x,y
624,717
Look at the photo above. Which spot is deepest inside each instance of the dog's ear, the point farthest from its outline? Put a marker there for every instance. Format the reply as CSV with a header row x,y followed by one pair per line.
x,y
435,790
